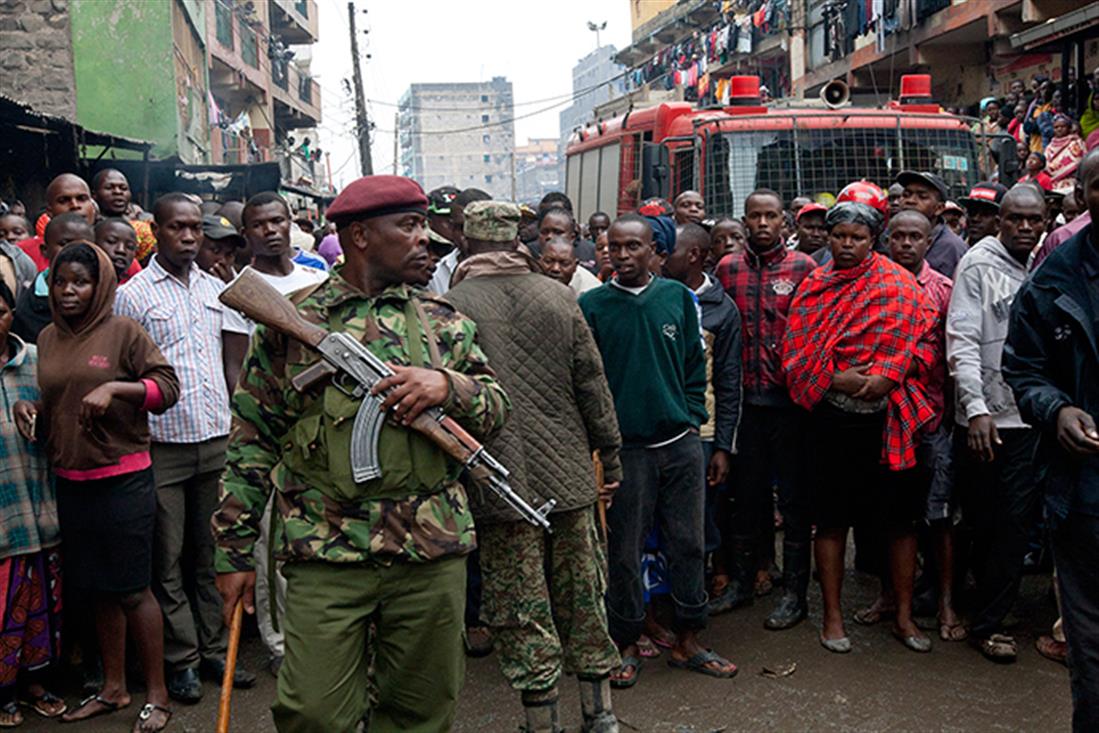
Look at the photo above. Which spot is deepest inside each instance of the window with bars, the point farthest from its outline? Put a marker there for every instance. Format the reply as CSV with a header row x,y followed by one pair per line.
x,y
249,46
223,22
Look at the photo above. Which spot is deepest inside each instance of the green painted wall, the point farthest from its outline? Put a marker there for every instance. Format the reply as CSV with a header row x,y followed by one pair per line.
x,y
124,69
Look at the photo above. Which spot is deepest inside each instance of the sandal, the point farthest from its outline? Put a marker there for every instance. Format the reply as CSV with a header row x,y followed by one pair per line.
x,y
147,712
106,707
621,679
953,632
701,662
1051,649
646,648
48,705
999,648
12,716
873,615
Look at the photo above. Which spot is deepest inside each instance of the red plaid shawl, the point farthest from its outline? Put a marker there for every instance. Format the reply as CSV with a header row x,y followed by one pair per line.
x,y
874,313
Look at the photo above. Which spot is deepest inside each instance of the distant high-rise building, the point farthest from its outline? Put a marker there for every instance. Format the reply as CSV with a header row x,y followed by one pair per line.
x,y
536,169
460,135
596,79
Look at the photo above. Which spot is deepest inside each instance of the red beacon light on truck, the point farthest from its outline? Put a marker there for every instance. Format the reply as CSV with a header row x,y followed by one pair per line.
x,y
915,95
744,96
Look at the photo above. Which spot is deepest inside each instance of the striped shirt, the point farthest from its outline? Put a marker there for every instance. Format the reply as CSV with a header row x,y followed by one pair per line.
x,y
186,323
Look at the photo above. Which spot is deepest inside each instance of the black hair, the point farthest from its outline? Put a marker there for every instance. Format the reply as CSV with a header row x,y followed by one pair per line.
x,y
467,197
555,211
1026,188
908,214
555,199
765,192
7,296
113,221
78,253
603,214
100,175
632,218
690,232
263,198
69,218
168,200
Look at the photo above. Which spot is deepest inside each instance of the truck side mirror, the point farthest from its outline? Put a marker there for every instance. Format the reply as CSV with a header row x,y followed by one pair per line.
x,y
1008,162
654,170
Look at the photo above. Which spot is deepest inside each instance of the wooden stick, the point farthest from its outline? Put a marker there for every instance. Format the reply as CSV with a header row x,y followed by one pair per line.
x,y
230,668
599,483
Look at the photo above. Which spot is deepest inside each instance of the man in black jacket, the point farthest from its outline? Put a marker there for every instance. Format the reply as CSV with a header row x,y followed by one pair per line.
x,y
1051,362
721,330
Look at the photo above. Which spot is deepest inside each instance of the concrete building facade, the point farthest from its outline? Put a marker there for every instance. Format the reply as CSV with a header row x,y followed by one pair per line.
x,y
459,134
536,169
596,79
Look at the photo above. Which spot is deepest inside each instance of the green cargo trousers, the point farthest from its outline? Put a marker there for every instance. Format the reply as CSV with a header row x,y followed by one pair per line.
x,y
417,646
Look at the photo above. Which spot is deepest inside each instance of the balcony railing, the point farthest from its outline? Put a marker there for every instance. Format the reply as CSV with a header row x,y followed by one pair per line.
x,y
299,89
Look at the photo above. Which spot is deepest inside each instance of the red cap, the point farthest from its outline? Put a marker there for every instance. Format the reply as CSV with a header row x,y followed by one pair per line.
x,y
809,209
376,196
865,192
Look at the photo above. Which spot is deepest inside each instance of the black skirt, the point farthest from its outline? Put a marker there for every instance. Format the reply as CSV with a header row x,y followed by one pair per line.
x,y
849,485
107,530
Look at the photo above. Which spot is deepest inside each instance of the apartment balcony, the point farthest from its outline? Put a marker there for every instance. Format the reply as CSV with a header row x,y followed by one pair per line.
x,y
235,46
294,21
297,97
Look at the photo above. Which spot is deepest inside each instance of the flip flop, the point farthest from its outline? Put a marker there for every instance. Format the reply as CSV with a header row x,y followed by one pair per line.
x,y
147,711
622,683
998,648
953,632
698,662
47,698
646,648
106,708
870,615
12,709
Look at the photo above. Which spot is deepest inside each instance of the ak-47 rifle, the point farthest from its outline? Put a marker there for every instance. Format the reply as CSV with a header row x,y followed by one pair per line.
x,y
351,363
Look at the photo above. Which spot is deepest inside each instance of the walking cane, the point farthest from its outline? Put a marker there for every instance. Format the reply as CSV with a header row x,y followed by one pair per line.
x,y
599,482
230,668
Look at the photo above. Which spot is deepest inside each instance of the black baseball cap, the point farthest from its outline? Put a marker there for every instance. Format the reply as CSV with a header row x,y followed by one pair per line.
x,y
440,199
218,227
926,178
985,193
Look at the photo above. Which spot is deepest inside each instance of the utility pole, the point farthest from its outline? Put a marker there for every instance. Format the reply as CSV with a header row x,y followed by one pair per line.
x,y
362,122
396,132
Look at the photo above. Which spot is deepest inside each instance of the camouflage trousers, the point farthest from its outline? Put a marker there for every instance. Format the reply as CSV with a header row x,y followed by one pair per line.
x,y
543,599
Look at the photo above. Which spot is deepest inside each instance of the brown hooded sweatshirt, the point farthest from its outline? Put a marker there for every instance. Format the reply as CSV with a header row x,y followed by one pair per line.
x,y
72,361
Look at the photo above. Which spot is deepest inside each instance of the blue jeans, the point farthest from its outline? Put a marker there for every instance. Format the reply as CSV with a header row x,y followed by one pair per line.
x,y
662,486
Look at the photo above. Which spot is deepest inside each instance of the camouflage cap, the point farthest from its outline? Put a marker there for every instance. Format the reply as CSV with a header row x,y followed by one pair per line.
x,y
492,221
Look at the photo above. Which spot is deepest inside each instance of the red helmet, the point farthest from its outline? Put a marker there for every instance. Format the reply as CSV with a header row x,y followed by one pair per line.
x,y
865,192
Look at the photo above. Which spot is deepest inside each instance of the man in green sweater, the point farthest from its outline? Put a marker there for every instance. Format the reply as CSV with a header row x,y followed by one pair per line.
x,y
647,330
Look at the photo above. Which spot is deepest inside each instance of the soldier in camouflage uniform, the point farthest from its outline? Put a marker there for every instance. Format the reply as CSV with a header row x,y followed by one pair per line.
x,y
390,551
545,356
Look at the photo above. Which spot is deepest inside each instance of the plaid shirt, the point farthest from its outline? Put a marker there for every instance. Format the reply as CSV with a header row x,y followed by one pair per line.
x,y
763,286
28,511
185,322
937,287
874,314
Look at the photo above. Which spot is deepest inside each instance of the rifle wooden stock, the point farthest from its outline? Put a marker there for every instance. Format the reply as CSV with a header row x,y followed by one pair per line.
x,y
448,435
230,669
251,295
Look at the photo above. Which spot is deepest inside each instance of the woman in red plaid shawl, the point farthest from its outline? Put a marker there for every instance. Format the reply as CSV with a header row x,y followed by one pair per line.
x,y
856,353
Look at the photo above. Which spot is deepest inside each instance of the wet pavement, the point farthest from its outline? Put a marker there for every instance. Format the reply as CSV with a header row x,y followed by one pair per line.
x,y
879,686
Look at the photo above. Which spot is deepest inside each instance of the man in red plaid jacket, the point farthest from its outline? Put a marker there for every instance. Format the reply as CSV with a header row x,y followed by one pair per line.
x,y
762,280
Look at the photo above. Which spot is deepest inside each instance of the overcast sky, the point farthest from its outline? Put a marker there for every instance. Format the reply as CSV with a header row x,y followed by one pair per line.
x,y
534,45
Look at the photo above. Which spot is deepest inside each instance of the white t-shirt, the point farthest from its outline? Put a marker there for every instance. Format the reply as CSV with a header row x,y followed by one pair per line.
x,y
582,281
300,277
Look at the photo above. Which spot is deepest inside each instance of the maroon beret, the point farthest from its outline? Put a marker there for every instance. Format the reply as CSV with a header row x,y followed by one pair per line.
x,y
376,196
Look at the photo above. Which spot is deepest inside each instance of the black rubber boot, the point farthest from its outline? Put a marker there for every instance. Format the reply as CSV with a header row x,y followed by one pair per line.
x,y
742,576
792,607
595,704
540,708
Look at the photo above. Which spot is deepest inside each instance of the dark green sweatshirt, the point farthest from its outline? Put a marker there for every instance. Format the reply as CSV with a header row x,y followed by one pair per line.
x,y
653,355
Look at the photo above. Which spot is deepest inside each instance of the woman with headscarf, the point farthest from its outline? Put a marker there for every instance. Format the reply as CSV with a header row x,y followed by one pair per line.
x,y
1089,121
857,354
1063,155
99,376
30,553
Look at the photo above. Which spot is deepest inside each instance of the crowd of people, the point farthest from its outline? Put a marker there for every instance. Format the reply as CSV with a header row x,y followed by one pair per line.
x,y
682,387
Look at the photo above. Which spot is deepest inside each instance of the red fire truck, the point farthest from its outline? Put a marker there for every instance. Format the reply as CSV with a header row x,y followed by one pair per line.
x,y
727,152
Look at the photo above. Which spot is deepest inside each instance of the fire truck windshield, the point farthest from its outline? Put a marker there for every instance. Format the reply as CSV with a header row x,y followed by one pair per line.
x,y
819,162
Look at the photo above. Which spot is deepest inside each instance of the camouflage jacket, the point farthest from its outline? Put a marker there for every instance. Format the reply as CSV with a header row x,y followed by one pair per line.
x,y
311,525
